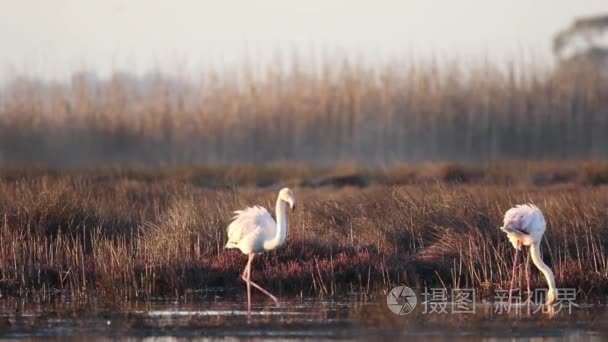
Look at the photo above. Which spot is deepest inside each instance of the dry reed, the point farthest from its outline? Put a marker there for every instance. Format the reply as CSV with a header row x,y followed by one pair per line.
x,y
119,234
402,110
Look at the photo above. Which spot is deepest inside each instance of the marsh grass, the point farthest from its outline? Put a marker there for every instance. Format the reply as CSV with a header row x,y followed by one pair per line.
x,y
123,234
331,110
231,176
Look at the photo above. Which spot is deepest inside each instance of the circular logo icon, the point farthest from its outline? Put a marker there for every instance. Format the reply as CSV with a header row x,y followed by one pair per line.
x,y
401,300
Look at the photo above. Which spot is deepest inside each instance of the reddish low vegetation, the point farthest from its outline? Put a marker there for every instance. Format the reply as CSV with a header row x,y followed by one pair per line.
x,y
128,233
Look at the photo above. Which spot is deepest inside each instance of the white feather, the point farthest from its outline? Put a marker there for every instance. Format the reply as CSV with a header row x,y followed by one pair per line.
x,y
524,224
249,228
254,231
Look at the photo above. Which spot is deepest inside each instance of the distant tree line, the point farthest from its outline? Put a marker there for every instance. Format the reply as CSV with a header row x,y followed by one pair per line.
x,y
337,109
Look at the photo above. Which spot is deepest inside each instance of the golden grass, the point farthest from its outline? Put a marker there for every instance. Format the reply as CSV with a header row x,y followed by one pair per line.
x,y
128,233
334,110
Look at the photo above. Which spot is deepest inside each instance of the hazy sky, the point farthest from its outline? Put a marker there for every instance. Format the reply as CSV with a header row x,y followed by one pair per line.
x,y
53,38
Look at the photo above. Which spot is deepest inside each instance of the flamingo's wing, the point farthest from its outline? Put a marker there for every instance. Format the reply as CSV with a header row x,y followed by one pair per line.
x,y
514,231
250,221
525,224
521,219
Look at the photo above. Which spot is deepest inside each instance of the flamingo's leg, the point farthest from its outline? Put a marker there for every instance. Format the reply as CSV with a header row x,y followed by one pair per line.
x,y
246,276
249,282
274,299
528,273
513,276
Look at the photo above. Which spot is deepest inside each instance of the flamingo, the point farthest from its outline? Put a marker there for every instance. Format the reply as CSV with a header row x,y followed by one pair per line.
x,y
525,226
254,231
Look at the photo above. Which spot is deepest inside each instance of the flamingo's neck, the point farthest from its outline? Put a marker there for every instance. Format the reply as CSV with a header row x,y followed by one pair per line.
x,y
536,259
281,232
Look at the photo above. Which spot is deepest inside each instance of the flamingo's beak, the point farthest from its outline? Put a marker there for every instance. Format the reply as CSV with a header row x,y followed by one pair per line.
x,y
293,207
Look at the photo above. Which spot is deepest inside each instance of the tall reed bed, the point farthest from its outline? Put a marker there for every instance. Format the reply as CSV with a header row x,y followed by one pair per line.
x,y
335,109
82,234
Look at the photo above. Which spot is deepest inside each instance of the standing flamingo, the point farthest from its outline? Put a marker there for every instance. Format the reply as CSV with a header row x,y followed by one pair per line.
x,y
254,231
525,226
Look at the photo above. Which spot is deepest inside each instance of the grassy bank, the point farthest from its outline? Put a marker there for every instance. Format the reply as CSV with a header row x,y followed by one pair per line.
x,y
127,233
230,176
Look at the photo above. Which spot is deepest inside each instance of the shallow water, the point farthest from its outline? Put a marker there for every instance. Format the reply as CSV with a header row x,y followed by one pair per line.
x,y
307,319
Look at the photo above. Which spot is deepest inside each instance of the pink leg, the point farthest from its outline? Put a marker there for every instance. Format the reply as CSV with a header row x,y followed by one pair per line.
x,y
528,272
513,277
249,282
246,275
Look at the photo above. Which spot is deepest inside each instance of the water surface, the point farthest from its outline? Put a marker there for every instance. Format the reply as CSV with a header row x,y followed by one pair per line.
x,y
297,320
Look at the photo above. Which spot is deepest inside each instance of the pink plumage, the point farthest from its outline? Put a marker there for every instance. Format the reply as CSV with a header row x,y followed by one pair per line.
x,y
525,226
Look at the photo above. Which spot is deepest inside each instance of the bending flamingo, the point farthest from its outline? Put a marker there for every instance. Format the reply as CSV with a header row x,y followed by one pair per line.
x,y
254,231
525,226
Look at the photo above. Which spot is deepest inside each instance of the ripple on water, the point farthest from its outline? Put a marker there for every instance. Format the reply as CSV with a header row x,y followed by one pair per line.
x,y
297,320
